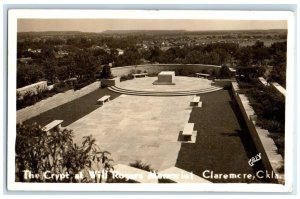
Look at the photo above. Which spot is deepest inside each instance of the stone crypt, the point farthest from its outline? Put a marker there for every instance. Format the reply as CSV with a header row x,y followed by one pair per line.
x,y
165,78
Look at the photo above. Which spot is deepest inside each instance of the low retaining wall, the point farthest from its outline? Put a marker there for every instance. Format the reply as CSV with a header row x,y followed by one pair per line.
x,y
277,87
223,82
42,85
54,101
265,145
110,82
263,81
156,68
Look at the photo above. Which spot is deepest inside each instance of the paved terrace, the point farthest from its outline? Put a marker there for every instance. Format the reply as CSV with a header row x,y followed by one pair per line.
x,y
138,128
146,128
182,83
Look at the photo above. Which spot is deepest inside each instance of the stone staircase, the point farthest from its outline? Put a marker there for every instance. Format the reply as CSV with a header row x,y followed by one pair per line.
x,y
163,93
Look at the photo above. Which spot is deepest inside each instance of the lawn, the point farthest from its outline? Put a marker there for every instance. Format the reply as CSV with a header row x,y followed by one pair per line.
x,y
223,143
74,110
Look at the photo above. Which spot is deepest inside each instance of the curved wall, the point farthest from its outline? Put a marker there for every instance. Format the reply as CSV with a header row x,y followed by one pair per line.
x,y
156,68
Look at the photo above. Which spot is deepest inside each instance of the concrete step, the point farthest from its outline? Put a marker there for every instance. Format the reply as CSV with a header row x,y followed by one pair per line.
x,y
205,89
166,93
189,91
116,89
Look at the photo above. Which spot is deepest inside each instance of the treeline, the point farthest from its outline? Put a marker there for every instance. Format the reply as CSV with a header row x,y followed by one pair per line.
x,y
84,57
216,54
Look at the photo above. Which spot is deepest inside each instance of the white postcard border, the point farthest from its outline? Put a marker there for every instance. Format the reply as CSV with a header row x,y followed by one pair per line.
x,y
14,15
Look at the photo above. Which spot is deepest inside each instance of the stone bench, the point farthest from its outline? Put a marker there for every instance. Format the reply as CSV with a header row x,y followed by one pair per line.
x,y
203,75
103,99
54,124
139,75
188,131
196,101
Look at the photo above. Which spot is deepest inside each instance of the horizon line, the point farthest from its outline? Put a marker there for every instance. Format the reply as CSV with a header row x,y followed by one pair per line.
x,y
150,30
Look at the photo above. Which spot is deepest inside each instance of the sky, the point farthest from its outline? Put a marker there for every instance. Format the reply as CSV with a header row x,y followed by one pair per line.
x,y
99,25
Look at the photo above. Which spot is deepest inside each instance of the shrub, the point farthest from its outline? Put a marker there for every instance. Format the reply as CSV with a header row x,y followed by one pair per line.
x,y
213,73
39,151
123,78
82,83
138,164
279,141
106,72
61,87
153,74
132,71
30,97
204,71
27,100
270,110
224,72
271,125
129,76
126,77
267,104
138,71
245,85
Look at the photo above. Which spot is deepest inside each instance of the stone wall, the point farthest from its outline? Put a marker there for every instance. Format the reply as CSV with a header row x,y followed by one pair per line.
x,y
223,82
183,69
110,82
278,88
265,145
54,101
33,88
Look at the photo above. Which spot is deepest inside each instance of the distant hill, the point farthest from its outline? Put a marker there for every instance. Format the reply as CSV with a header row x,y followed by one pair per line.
x,y
143,31
52,33
188,32
150,32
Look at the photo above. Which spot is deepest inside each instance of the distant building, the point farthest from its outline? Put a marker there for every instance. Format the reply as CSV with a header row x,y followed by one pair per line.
x,y
103,47
145,46
120,51
61,53
144,61
165,48
36,51
37,39
25,59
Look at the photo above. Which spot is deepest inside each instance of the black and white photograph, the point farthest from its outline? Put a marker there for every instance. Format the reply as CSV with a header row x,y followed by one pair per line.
x,y
150,100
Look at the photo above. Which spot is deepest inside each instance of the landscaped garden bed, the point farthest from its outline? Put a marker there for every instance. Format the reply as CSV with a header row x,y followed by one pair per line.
x,y
269,107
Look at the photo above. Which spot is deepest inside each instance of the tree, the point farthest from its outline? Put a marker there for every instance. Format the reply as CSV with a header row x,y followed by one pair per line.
x,y
251,72
86,65
260,52
48,52
38,151
224,72
50,69
244,56
28,74
106,72
155,54
278,74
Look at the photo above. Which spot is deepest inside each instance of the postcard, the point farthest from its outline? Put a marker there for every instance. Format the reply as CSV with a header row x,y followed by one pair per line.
x,y
144,100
